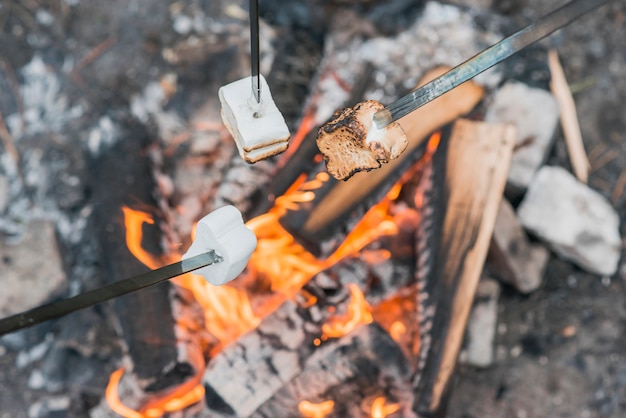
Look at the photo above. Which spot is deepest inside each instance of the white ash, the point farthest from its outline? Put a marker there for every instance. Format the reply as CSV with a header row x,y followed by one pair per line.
x,y
149,102
33,354
102,136
46,109
578,223
442,35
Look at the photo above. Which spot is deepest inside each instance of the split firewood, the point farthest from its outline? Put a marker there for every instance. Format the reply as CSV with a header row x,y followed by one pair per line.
x,y
477,164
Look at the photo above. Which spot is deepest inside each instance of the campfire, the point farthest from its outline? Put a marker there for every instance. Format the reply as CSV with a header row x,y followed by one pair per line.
x,y
357,299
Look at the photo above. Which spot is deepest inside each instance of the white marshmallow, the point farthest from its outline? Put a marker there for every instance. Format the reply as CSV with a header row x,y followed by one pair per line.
x,y
257,137
223,230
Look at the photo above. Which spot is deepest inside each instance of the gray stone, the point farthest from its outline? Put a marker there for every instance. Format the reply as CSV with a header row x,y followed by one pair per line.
x,y
577,222
32,271
4,192
512,258
535,114
481,327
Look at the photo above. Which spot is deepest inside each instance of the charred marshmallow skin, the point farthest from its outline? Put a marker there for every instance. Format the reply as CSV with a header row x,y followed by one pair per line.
x,y
259,129
224,232
351,141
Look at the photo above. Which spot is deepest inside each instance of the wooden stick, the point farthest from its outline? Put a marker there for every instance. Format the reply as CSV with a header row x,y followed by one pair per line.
x,y
569,120
477,164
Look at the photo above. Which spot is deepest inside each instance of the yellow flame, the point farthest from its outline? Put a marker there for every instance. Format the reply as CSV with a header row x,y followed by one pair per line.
x,y
358,313
380,410
315,410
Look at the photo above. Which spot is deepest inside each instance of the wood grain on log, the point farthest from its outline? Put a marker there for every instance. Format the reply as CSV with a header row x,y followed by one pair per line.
x,y
477,163
122,176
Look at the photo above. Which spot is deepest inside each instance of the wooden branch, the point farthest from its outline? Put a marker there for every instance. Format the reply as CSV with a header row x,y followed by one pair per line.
x,y
569,120
477,164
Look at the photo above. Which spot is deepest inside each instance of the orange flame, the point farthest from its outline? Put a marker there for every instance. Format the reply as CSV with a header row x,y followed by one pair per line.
x,y
156,408
380,410
358,313
279,259
316,410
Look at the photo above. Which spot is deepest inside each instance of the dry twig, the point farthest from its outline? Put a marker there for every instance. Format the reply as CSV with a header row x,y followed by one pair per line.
x,y
569,120
618,189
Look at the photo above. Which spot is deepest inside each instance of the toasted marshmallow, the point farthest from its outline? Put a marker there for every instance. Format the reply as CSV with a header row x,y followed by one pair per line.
x,y
259,129
351,141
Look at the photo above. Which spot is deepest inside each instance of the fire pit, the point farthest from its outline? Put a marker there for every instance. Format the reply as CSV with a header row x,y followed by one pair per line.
x,y
356,301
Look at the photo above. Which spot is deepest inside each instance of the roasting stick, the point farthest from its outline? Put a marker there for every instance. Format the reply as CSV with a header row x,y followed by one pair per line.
x,y
113,290
255,56
484,60
219,252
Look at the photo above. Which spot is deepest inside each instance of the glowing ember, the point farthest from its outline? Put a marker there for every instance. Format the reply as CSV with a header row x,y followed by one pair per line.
x,y
380,410
316,410
358,313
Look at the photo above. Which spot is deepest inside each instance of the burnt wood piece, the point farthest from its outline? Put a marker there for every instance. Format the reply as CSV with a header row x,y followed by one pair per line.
x,y
337,205
477,163
350,371
251,371
122,176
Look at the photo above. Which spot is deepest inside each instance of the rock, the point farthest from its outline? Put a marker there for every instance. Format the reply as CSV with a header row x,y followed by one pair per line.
x,y
32,271
4,192
535,114
481,326
577,222
512,258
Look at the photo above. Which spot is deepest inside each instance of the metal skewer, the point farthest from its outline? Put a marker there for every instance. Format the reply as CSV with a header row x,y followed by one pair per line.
x,y
113,290
485,60
254,50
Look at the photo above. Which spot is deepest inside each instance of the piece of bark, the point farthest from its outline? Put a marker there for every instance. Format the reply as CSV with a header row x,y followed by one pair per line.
x,y
477,164
337,201
569,120
512,257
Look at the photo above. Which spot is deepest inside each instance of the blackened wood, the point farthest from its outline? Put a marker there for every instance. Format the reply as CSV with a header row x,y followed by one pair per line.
x,y
477,163
350,371
122,176
337,205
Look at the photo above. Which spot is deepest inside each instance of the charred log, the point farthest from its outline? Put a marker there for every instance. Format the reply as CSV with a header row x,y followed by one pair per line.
x,y
122,176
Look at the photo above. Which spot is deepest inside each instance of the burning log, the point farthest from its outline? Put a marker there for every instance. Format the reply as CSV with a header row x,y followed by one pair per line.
x,y
476,169
145,317
359,366
336,203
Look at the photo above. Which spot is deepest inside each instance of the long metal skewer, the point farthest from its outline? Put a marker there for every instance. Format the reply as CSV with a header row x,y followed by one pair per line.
x,y
113,290
485,60
255,58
